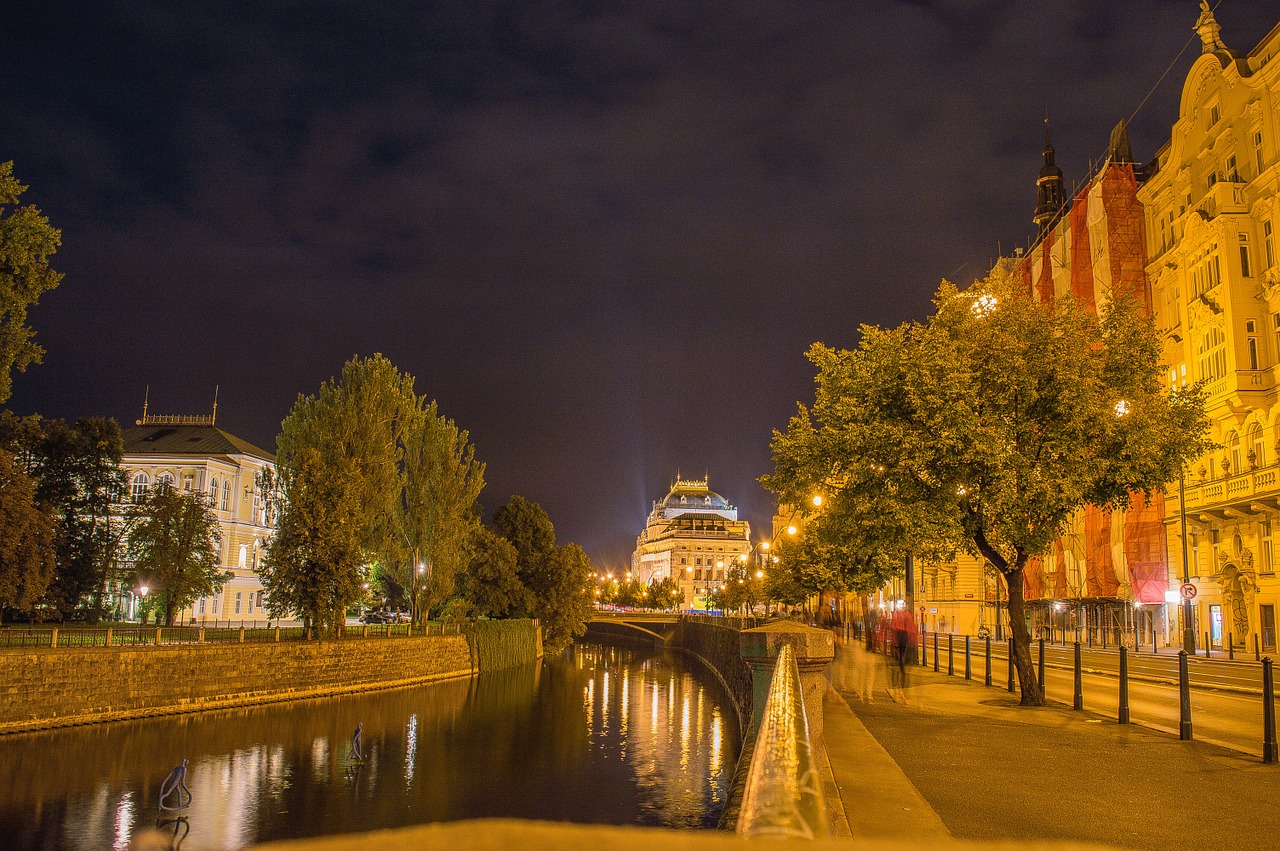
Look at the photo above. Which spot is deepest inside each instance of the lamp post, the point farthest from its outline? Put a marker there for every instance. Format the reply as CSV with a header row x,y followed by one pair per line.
x,y
1188,627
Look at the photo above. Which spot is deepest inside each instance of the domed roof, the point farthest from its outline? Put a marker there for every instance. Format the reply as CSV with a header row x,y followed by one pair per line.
x,y
694,494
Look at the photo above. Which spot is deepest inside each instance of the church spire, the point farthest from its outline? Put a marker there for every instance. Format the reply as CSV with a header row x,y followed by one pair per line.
x,y
1050,195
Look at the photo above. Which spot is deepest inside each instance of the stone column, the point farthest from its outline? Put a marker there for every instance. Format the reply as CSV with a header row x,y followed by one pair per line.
x,y
814,650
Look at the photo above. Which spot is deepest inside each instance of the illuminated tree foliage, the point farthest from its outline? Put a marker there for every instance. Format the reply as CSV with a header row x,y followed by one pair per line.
x,y
490,582
985,429
173,545
26,540
26,241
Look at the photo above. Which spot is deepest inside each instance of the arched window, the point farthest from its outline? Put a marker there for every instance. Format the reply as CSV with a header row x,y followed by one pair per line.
x,y
244,556
1233,446
226,494
140,484
164,480
1257,445
213,492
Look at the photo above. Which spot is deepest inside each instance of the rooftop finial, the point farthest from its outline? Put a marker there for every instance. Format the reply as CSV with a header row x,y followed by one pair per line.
x,y
214,418
1209,31
146,397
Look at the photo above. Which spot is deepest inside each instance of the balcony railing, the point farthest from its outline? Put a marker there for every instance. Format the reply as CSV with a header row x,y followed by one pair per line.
x,y
1241,487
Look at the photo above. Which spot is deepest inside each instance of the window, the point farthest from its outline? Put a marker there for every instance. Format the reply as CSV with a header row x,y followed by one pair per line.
x,y
142,481
226,494
215,605
1257,446
213,492
250,602
1212,352
203,600
1206,271
186,484
1257,149
1255,359
1233,446
261,598
1212,179
1268,245
164,480
1267,552
1229,169
238,602
1244,255
1215,115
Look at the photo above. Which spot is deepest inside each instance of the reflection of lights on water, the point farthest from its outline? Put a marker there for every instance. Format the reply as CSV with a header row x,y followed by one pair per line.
x,y
684,733
124,821
410,749
604,705
717,741
622,710
320,757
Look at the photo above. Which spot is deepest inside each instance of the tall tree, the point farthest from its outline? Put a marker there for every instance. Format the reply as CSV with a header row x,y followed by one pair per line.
x,y
439,484
26,540
491,581
990,425
26,241
314,565
173,545
415,471
558,577
78,478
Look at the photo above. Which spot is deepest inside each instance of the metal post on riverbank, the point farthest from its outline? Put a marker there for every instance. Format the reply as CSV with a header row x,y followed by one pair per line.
x,y
988,677
1123,714
951,655
1268,713
1077,690
1009,659
1184,698
1040,672
968,660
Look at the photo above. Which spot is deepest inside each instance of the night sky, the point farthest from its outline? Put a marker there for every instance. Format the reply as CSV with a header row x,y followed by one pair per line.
x,y
601,234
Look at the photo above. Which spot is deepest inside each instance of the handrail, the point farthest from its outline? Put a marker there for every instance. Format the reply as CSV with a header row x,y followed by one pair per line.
x,y
783,797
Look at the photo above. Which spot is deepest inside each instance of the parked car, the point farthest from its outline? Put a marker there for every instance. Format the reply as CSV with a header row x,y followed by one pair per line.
x,y
374,617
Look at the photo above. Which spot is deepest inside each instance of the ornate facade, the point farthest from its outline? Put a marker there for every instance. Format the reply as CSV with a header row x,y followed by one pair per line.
x,y
1210,204
693,534
192,454
1192,235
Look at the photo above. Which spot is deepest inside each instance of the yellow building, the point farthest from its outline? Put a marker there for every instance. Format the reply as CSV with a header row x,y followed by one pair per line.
x,y
1210,208
192,454
693,534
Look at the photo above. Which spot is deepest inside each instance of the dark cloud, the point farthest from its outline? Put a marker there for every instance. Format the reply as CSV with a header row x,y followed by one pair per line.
x,y
602,234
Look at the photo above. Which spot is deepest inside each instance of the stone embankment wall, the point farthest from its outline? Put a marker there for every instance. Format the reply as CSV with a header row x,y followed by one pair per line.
x,y
42,688
717,648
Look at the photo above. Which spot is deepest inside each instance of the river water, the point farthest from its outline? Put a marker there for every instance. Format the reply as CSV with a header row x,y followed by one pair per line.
x,y
599,734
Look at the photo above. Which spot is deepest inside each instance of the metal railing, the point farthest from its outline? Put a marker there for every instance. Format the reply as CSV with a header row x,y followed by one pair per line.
x,y
737,622
783,796
60,637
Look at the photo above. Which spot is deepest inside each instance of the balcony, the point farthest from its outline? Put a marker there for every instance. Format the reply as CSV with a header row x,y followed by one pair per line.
x,y
1233,496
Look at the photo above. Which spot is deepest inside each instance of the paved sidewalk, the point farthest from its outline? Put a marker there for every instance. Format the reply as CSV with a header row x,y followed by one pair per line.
x,y
988,769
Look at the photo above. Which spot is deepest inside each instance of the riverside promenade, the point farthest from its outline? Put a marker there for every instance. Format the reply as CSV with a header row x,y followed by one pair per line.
x,y
960,760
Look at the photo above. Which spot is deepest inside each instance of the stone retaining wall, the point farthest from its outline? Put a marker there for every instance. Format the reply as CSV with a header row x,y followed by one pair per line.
x,y
717,648
42,688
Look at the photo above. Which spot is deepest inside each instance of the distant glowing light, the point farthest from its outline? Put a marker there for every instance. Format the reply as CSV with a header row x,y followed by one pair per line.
x,y
984,304
764,545
817,500
1122,408
791,530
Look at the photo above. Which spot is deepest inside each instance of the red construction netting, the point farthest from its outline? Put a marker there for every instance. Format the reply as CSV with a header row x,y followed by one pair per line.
x,y
1145,548
1100,570
1126,234
1081,260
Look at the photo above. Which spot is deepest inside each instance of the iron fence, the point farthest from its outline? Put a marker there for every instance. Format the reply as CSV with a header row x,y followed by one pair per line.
x,y
54,636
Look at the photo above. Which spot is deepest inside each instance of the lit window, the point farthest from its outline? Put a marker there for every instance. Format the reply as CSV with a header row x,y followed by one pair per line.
x,y
140,484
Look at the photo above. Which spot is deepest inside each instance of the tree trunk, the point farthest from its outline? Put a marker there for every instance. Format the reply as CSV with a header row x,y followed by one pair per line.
x,y
168,614
1028,683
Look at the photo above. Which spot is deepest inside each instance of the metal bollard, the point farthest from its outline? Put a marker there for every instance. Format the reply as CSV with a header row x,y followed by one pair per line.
x,y
988,677
1137,639
1123,714
968,662
1268,713
1208,651
935,652
1104,638
1041,670
1257,652
951,655
1011,665
1184,698
924,649
1090,632
1077,698
1231,647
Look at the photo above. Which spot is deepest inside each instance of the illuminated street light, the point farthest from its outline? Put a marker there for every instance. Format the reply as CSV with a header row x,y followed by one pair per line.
x,y
1122,408
983,305
817,500
791,530
142,591
422,568
759,574
764,545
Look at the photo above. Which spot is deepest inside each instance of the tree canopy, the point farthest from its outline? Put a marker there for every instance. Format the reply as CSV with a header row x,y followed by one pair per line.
x,y
26,539
26,241
984,429
173,546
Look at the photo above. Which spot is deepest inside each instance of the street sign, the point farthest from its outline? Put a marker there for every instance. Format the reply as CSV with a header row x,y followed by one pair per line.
x,y
1188,591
